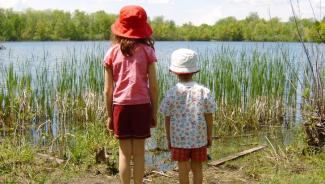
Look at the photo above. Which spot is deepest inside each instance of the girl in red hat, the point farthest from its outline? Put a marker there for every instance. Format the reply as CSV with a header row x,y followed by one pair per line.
x,y
131,88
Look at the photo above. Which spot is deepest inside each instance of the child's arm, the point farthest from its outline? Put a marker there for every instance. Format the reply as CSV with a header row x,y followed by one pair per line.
x,y
153,87
167,128
209,121
108,94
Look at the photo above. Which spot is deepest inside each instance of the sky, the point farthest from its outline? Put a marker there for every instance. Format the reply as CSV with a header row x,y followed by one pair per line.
x,y
184,11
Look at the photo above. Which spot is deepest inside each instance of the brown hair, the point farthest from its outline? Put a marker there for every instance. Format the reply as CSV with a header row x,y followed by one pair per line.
x,y
185,77
127,44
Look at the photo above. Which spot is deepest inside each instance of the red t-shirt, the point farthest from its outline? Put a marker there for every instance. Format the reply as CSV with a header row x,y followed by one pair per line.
x,y
130,74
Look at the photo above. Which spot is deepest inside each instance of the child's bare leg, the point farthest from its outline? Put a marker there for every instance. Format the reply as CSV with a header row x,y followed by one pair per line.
x,y
125,152
196,168
184,170
138,158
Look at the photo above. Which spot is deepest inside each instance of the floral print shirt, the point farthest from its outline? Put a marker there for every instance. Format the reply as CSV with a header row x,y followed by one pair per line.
x,y
186,104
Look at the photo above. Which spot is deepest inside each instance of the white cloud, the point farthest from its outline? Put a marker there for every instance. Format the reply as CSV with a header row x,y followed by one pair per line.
x,y
196,11
13,3
309,9
106,1
251,2
160,1
211,17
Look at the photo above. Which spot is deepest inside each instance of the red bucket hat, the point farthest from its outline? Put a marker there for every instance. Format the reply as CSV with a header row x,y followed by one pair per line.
x,y
132,23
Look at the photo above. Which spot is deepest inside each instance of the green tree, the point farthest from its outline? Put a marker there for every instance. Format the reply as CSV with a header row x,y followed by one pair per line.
x,y
164,30
100,23
2,24
188,32
81,24
11,26
249,24
60,25
228,29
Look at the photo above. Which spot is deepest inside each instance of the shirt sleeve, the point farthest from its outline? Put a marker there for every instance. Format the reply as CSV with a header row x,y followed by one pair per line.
x,y
108,59
151,55
165,106
209,102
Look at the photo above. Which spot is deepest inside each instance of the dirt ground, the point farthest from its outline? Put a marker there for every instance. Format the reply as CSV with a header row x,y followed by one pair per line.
x,y
212,175
91,179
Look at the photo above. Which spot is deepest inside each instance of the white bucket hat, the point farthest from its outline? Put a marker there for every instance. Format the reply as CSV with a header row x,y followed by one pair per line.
x,y
184,61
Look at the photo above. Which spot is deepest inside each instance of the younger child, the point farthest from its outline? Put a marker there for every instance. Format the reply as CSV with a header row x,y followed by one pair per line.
x,y
131,89
188,109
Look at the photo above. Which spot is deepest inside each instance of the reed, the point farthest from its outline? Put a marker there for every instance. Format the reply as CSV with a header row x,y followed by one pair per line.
x,y
252,89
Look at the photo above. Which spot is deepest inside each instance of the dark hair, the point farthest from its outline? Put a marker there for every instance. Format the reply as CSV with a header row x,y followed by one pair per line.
x,y
186,76
127,44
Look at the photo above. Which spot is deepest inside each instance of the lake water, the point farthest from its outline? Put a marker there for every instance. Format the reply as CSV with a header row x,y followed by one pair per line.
x,y
53,53
56,50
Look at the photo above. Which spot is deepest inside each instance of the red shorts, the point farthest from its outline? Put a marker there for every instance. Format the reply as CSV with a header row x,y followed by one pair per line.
x,y
184,154
132,121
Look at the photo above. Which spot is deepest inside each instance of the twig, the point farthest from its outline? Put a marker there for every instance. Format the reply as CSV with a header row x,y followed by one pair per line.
x,y
236,155
49,157
274,150
161,173
147,179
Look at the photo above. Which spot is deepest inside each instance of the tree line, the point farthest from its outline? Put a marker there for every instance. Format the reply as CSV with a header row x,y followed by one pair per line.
x,y
79,25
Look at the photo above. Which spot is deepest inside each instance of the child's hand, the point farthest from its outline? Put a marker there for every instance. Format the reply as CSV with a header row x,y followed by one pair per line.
x,y
209,142
154,121
109,126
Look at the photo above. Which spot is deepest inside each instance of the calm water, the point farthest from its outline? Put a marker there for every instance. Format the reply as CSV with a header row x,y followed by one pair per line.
x,y
56,50
53,53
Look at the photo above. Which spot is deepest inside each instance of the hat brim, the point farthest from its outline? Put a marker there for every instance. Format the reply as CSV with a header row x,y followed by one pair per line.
x,y
181,70
140,31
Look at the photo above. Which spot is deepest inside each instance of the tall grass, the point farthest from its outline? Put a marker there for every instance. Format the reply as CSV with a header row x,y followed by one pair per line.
x,y
252,89
314,96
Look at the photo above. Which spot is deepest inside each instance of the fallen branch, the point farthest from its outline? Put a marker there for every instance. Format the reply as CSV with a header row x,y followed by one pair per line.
x,y
249,144
236,155
154,173
147,180
51,158
161,173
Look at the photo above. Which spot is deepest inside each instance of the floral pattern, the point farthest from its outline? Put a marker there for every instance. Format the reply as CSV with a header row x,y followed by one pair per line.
x,y
186,104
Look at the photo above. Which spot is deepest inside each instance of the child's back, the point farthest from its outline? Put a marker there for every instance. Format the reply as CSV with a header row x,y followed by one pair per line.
x,y
188,108
131,89
186,104
130,74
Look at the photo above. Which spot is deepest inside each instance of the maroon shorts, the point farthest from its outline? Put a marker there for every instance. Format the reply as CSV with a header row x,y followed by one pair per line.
x,y
194,154
132,121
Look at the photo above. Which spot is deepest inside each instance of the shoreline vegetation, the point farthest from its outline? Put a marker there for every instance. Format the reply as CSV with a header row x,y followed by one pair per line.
x,y
58,110
282,164
56,25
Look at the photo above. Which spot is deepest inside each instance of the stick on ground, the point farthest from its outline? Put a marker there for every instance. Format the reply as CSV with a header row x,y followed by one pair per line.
x,y
235,156
51,158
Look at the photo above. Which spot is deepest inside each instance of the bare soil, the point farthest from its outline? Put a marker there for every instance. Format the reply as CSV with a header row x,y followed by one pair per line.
x,y
226,174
